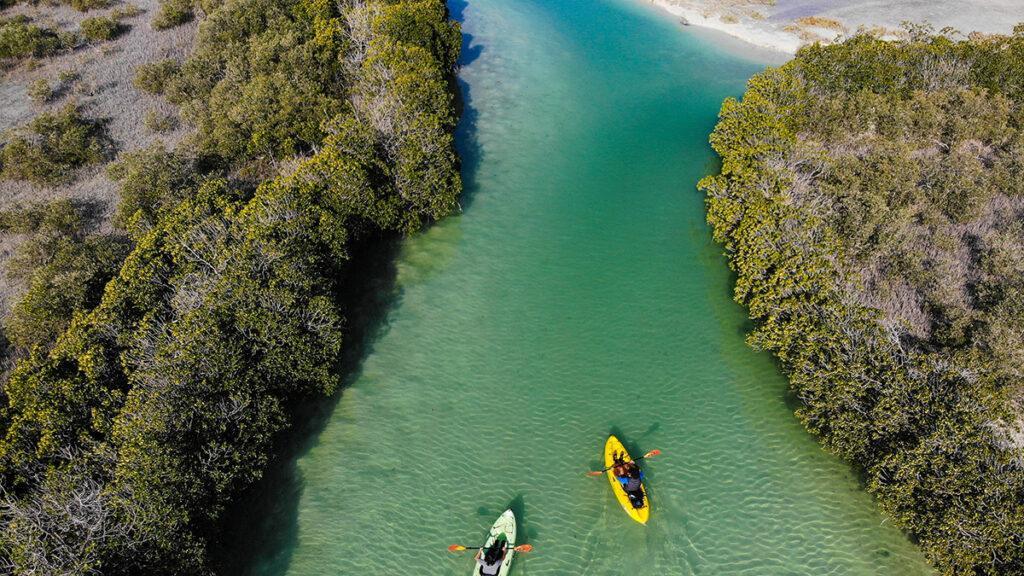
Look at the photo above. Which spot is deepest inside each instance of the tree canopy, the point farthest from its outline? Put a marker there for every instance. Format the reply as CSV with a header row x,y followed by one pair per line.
x,y
123,441
870,203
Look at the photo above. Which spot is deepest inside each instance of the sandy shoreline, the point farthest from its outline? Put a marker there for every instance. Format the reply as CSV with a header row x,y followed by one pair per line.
x,y
785,25
750,31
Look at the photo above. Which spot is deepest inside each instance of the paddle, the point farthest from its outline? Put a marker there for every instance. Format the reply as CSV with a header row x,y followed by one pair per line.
x,y
459,548
599,472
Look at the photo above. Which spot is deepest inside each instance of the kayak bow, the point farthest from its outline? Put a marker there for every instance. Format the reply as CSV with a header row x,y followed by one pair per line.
x,y
504,527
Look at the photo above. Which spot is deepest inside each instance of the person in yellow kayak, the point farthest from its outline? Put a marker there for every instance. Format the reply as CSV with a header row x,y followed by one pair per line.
x,y
631,477
491,559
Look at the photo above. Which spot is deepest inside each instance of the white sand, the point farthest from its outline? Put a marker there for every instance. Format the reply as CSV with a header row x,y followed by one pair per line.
x,y
707,15
776,24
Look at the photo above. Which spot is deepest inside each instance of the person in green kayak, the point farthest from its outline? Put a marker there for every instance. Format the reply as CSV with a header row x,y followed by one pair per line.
x,y
631,477
490,560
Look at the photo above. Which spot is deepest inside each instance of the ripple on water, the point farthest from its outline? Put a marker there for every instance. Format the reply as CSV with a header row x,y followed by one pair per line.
x,y
577,295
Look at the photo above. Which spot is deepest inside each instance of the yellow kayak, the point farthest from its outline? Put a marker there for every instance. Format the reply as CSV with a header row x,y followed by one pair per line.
x,y
611,447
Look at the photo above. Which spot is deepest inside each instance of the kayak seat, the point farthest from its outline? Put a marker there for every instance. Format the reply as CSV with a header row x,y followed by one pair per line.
x,y
636,499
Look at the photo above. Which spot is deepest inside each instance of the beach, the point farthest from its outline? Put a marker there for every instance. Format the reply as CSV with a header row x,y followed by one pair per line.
x,y
786,25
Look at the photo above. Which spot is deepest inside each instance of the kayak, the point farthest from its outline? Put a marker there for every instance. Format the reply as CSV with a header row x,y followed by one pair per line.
x,y
504,528
611,447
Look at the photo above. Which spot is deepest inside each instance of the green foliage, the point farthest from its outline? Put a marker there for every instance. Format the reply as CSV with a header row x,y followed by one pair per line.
x,y
164,399
99,28
68,76
59,217
157,121
19,39
152,181
263,78
863,202
173,13
53,146
65,269
153,77
86,5
70,278
40,91
126,11
422,24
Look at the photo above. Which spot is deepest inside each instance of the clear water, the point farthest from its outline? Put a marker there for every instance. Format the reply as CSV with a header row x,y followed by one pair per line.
x,y
578,293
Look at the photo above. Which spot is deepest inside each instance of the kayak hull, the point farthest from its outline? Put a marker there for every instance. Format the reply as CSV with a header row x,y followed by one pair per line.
x,y
504,527
639,514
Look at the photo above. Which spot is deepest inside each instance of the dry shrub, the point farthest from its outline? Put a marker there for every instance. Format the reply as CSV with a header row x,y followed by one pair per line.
x,y
173,13
101,28
86,5
159,122
153,77
53,146
40,91
821,22
19,39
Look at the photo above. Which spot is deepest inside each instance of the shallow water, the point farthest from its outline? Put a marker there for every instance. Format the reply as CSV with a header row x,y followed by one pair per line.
x,y
579,293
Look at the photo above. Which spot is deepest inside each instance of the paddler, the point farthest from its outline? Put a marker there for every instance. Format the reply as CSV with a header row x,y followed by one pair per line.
x,y
631,477
491,559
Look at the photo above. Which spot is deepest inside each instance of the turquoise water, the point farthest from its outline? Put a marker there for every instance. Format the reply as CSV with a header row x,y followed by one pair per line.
x,y
578,293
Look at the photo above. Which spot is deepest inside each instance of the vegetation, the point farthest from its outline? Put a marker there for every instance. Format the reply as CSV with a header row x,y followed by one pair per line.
x,y
40,91
125,11
68,76
19,39
53,146
64,268
99,28
80,5
123,442
58,217
173,13
153,77
157,121
86,5
153,181
821,22
252,95
870,202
